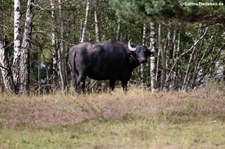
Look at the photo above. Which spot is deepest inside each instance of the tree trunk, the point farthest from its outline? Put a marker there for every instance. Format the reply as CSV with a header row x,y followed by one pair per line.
x,y
85,21
158,59
17,43
152,58
118,31
163,60
174,58
24,63
176,69
5,71
223,78
61,52
97,31
54,48
1,83
143,43
167,48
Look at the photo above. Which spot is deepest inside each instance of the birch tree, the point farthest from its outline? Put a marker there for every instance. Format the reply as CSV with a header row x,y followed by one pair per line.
x,y
61,51
4,67
143,43
176,58
85,21
163,59
24,63
54,48
16,76
118,31
17,43
152,58
96,13
167,48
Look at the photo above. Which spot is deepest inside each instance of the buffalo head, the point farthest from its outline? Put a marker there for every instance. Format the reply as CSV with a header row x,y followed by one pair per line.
x,y
141,52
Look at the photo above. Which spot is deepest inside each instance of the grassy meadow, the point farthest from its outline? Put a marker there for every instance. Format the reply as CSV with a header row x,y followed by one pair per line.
x,y
140,120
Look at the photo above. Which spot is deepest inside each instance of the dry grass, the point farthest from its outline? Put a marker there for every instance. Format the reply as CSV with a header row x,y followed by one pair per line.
x,y
139,119
58,109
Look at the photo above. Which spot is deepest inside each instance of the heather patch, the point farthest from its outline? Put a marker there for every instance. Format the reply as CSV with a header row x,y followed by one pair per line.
x,y
138,120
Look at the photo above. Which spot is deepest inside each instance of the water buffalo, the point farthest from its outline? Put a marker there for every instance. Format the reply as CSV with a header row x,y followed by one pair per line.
x,y
108,60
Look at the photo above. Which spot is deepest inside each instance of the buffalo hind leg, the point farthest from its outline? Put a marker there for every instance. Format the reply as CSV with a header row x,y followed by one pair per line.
x,y
74,81
81,83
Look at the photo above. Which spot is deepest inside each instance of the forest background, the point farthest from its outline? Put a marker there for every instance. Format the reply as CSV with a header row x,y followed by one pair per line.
x,y
188,39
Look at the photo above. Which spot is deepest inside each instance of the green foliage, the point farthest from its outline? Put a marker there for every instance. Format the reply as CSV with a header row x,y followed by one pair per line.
x,y
189,10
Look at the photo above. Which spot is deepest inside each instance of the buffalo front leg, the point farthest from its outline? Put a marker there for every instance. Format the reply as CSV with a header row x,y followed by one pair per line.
x,y
112,84
124,85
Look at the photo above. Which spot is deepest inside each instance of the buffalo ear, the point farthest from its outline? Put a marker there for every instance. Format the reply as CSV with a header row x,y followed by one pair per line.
x,y
150,53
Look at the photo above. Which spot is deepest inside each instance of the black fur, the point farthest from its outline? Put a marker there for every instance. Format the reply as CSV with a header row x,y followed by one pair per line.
x,y
108,60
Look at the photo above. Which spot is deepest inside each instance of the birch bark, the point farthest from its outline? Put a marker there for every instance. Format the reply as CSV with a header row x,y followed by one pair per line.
x,y
167,48
61,52
17,43
152,58
97,31
118,31
6,73
143,43
54,49
24,63
85,21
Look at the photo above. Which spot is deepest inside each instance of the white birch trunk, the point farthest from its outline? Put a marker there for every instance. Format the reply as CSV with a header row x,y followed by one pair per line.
x,y
118,31
168,63
85,21
176,69
54,49
173,78
5,71
152,58
143,43
24,63
61,51
97,32
17,43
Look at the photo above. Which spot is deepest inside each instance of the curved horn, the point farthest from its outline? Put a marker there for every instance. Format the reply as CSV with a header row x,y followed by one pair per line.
x,y
131,48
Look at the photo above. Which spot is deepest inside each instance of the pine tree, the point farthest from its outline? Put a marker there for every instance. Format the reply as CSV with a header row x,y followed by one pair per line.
x,y
169,13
